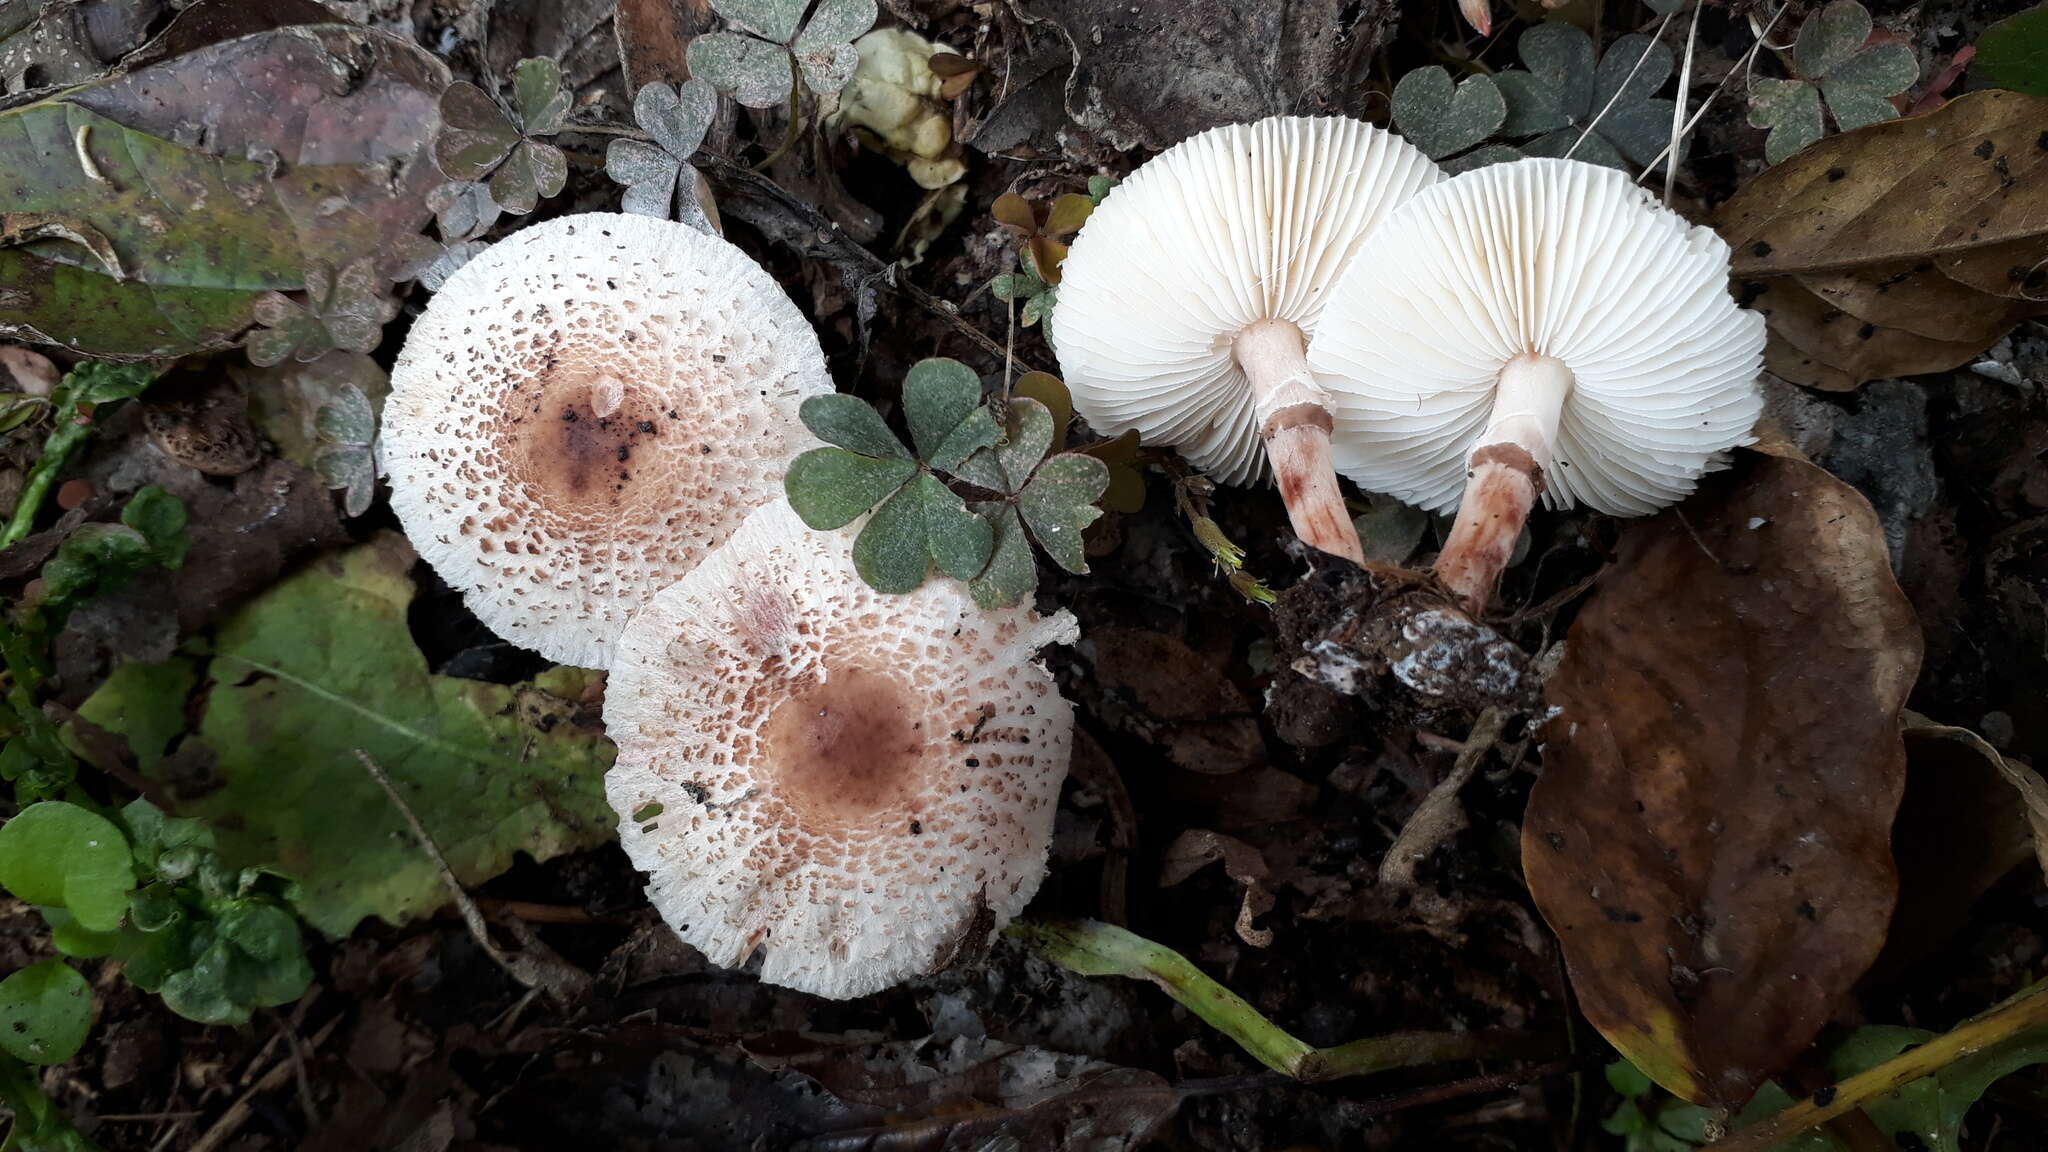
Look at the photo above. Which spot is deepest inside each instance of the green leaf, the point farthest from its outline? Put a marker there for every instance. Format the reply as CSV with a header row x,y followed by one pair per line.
x,y
97,382
1830,37
201,992
323,664
475,135
960,541
534,172
1790,109
1630,72
1480,157
1016,286
890,553
1931,1110
1391,531
774,19
824,51
1098,188
348,420
755,73
1039,307
1856,107
1440,118
1624,1077
1052,392
1060,502
351,468
938,394
80,943
1025,442
45,1011
58,854
1012,572
1557,89
539,103
146,702
160,517
852,424
2013,53
830,487
978,430
1881,70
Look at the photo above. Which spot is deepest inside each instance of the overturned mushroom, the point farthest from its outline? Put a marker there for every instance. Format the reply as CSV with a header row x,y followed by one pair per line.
x,y
1187,301
584,411
1541,328
859,786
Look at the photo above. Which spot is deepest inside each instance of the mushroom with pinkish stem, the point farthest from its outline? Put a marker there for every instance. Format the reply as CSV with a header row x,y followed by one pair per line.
x,y
1540,329
1188,300
859,786
584,411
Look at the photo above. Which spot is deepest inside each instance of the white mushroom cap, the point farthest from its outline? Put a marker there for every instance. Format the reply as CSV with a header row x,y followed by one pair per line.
x,y
1240,224
584,411
1550,259
852,783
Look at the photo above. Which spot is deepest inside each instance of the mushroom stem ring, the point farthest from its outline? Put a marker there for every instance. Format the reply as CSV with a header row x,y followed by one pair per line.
x,y
1294,421
1504,475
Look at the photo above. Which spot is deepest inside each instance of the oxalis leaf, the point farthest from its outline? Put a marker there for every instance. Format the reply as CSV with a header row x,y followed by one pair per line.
x,y
1441,119
199,230
1835,60
658,178
753,64
1605,115
1710,838
322,665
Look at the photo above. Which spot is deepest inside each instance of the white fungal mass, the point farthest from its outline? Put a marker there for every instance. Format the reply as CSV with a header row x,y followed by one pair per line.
x,y
584,412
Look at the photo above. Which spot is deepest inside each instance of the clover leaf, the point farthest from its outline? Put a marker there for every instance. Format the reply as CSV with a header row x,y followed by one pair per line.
x,y
463,209
917,521
1832,58
347,430
1053,499
346,309
1444,119
1605,115
753,63
658,178
479,139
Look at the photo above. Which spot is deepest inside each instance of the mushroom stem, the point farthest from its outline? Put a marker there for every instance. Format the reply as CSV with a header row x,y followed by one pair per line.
x,y
1504,476
1294,420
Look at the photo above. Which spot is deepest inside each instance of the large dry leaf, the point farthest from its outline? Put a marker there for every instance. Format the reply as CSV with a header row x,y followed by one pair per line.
x,y
1710,837
1907,246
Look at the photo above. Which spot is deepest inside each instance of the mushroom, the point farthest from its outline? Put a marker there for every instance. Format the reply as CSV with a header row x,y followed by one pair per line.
x,y
584,411
1538,328
857,785
1187,301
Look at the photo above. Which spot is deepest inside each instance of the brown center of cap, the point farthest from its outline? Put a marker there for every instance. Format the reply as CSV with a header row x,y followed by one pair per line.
x,y
588,438
848,748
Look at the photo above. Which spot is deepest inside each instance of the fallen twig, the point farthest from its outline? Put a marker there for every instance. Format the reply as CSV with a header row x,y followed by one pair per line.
x,y
535,966
2027,1010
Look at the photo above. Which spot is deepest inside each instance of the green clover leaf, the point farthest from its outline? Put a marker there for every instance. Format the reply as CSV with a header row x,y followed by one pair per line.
x,y
1605,114
1836,65
757,63
1443,119
346,460
658,178
480,139
346,309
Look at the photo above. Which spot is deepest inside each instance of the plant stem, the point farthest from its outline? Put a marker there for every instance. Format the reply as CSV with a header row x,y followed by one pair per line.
x,y
57,452
2027,1010
791,130
1092,948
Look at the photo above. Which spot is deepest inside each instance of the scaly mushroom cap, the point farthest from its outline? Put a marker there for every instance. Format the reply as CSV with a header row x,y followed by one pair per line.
x,y
853,783
1239,224
584,411
1545,258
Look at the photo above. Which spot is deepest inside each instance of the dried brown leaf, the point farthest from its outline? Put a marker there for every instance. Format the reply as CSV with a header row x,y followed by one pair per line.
x,y
1197,848
1711,835
1902,247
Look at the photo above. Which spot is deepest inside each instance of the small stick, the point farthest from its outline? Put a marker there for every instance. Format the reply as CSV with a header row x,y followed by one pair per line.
x,y
231,1121
537,966
2027,1010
